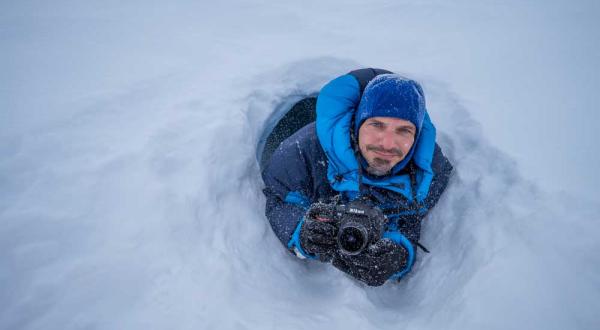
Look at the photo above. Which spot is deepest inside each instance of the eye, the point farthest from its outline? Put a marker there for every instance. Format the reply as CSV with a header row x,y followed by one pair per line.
x,y
404,131
376,124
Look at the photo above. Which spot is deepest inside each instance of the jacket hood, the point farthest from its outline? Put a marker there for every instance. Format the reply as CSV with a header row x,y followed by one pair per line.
x,y
336,106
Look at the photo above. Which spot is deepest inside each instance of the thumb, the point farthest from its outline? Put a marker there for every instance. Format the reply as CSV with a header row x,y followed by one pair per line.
x,y
382,246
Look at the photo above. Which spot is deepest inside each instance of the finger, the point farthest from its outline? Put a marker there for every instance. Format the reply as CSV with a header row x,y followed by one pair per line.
x,y
320,209
322,228
322,240
381,247
359,261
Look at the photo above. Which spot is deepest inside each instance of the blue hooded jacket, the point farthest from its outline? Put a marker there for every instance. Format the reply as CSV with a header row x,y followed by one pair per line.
x,y
318,162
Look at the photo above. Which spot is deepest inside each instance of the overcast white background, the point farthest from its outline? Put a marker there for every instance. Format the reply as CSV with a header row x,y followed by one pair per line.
x,y
129,196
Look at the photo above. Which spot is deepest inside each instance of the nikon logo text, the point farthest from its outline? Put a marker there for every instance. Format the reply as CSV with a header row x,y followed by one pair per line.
x,y
357,211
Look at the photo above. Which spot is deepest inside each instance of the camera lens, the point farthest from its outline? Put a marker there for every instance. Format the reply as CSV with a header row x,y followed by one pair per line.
x,y
352,239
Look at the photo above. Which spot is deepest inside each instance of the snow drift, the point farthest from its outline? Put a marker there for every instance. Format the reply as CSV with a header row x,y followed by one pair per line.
x,y
145,211
130,196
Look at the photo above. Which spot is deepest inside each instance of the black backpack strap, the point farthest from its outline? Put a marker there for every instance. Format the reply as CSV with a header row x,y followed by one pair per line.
x,y
364,76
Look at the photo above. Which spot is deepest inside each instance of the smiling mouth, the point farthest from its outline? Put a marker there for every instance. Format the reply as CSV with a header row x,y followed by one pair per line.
x,y
385,154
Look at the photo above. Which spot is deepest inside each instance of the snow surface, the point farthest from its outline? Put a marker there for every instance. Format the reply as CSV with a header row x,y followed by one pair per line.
x,y
129,190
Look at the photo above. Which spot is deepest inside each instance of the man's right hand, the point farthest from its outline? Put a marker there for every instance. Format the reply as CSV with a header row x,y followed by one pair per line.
x,y
318,234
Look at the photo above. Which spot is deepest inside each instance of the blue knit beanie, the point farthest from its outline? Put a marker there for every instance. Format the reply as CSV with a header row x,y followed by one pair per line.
x,y
391,95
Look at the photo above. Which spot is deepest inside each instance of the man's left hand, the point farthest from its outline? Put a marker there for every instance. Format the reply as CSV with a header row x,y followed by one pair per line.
x,y
375,264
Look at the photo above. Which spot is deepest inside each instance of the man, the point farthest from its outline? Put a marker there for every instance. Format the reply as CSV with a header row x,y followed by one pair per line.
x,y
372,146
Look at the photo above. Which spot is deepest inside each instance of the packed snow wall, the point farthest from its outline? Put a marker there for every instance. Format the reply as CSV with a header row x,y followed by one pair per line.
x,y
156,220
130,196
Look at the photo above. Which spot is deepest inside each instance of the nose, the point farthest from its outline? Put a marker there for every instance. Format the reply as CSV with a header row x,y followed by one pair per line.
x,y
387,140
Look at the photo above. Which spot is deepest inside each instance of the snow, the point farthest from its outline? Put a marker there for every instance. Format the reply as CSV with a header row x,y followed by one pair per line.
x,y
129,190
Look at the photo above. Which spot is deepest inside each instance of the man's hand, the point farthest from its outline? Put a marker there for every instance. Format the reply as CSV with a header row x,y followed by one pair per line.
x,y
319,231
375,264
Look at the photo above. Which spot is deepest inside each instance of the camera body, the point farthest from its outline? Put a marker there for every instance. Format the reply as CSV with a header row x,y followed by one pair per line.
x,y
358,224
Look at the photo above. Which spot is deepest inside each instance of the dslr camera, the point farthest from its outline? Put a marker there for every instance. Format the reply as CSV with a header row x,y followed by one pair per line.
x,y
359,224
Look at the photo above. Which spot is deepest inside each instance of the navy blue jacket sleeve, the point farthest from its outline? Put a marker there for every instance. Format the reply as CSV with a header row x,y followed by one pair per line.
x,y
442,169
287,189
410,226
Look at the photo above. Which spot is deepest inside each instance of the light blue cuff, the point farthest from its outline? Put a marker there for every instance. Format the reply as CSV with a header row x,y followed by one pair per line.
x,y
401,240
294,243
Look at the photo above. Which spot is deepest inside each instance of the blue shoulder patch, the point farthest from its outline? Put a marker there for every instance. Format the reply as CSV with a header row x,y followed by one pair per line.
x,y
336,105
297,198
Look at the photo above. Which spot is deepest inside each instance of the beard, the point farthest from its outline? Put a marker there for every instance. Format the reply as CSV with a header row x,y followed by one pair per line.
x,y
380,166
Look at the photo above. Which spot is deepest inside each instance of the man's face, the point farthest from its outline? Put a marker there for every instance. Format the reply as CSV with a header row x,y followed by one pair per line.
x,y
384,142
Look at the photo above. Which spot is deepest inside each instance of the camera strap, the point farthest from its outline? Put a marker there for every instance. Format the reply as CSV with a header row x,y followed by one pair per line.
x,y
415,205
412,173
